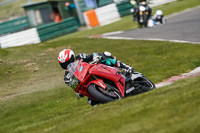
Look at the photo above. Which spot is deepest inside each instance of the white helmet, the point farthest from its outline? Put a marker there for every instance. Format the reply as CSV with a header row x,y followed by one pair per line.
x,y
159,12
65,57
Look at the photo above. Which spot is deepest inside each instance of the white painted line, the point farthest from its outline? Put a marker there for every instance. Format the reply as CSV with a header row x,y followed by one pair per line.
x,y
171,80
106,35
181,41
113,33
148,39
162,84
196,70
117,38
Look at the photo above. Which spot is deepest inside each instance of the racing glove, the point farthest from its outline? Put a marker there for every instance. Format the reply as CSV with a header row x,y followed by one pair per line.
x,y
126,67
96,59
130,70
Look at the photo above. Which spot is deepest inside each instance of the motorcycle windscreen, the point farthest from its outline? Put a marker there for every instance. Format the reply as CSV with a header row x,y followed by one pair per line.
x,y
82,70
74,81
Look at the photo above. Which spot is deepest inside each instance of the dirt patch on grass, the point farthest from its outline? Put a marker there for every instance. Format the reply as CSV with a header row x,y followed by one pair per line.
x,y
30,64
1,61
36,69
50,50
46,52
20,62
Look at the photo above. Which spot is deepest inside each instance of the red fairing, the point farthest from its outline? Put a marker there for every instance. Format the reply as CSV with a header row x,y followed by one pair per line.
x,y
82,70
85,72
98,82
109,73
105,71
121,86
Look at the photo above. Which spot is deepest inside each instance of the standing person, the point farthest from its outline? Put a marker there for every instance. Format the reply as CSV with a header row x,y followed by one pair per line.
x,y
57,17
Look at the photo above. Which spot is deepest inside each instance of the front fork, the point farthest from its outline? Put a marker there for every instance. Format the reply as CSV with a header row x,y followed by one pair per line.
x,y
141,18
141,15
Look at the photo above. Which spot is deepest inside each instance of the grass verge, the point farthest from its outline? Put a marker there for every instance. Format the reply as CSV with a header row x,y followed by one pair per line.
x,y
34,98
171,109
33,66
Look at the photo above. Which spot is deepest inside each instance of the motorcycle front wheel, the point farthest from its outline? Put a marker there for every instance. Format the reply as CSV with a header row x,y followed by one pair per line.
x,y
101,95
145,20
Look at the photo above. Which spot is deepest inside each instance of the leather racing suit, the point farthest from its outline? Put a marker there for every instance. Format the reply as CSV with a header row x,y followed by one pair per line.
x,y
105,58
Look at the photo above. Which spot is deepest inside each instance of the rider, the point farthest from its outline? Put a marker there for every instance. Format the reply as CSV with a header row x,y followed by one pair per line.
x,y
158,17
136,9
67,56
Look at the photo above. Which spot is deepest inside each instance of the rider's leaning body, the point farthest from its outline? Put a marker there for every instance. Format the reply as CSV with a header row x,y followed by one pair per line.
x,y
67,56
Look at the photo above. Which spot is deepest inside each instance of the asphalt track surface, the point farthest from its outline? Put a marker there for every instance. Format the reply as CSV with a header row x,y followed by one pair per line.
x,y
182,27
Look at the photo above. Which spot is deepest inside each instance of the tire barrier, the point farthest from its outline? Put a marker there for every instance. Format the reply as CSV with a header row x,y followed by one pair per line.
x,y
29,36
14,25
102,15
39,34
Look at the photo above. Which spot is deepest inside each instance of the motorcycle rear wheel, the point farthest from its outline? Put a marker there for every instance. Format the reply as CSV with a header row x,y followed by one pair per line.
x,y
99,95
141,85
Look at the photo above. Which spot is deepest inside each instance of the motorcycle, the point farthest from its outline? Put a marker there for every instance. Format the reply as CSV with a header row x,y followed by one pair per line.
x,y
144,14
141,13
104,84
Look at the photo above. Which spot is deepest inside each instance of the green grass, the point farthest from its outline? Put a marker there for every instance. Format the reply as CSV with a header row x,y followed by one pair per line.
x,y
177,6
20,63
170,109
34,98
40,101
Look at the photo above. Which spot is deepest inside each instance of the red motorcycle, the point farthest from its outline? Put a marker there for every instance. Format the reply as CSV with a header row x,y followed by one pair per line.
x,y
104,83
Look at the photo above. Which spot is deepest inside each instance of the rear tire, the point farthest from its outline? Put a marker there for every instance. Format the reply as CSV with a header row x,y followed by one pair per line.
x,y
98,95
141,85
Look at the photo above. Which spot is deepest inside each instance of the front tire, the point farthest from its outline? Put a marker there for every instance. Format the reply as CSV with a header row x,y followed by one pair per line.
x,y
98,95
145,20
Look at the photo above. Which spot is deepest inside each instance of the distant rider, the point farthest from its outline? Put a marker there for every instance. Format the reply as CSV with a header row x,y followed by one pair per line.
x,y
158,17
67,56
136,8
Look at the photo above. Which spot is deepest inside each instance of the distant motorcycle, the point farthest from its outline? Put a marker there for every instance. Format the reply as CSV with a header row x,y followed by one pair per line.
x,y
142,13
103,83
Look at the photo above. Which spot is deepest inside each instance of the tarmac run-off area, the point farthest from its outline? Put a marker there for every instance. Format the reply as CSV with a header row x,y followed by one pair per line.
x,y
181,27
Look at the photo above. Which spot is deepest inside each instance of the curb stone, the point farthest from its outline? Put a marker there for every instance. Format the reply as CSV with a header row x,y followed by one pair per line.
x,y
173,79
